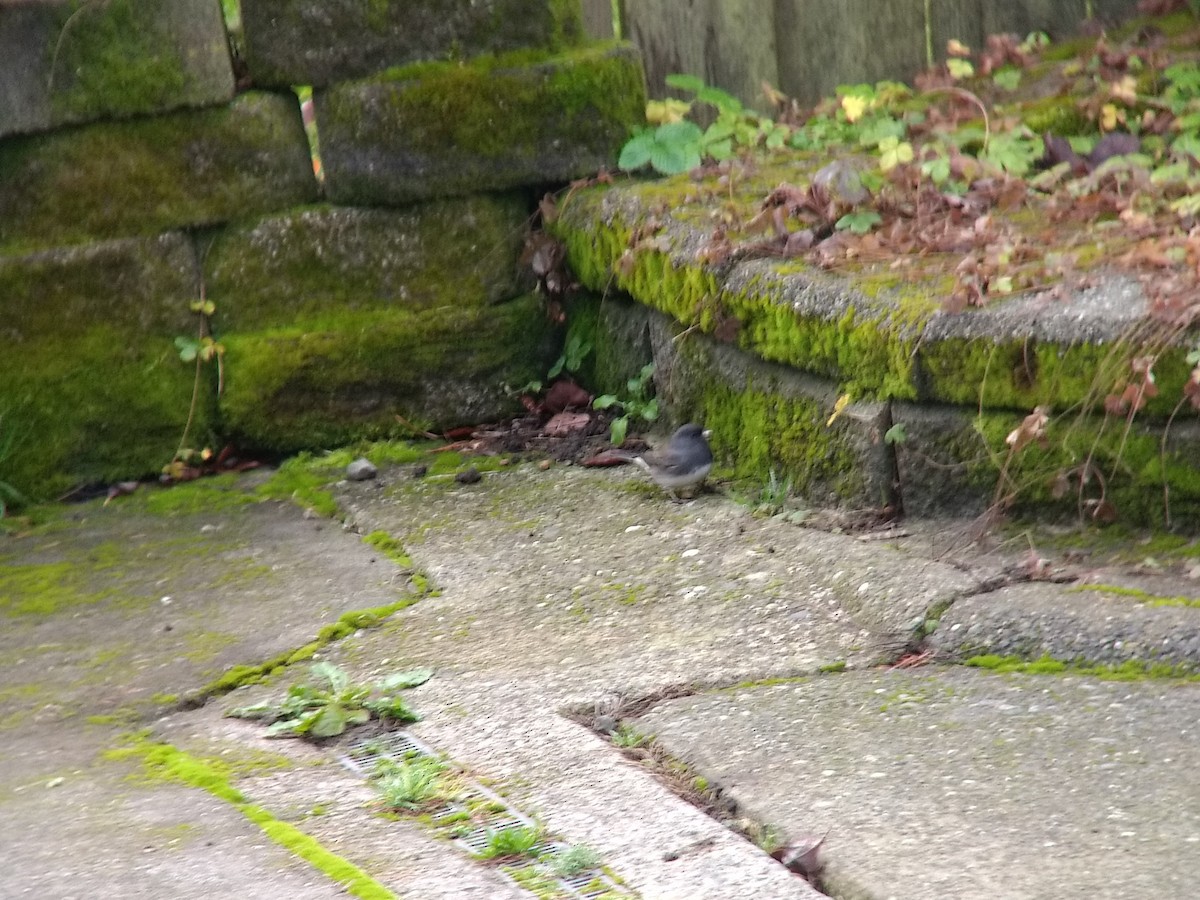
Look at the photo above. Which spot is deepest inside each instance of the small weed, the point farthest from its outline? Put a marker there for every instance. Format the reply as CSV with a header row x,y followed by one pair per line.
x,y
773,496
628,736
573,860
506,842
334,703
201,349
638,405
413,783
767,838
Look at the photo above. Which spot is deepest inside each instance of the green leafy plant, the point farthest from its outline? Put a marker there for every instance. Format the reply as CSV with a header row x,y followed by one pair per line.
x,y
333,703
413,783
201,349
575,351
502,843
638,405
680,145
627,736
574,860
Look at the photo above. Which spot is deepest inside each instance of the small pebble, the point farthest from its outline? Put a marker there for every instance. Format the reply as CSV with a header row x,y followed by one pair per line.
x,y
361,470
419,471
468,476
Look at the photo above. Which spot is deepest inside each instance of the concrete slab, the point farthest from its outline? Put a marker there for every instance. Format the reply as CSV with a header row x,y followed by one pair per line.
x,y
952,783
566,590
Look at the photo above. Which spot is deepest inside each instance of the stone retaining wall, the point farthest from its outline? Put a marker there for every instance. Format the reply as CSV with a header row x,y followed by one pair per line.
x,y
136,180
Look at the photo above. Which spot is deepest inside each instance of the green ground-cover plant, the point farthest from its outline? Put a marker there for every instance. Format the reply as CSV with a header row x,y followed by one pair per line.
x,y
413,784
331,703
574,860
638,404
677,144
505,843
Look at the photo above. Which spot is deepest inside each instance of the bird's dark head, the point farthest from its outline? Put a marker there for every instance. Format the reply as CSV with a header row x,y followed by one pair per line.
x,y
691,431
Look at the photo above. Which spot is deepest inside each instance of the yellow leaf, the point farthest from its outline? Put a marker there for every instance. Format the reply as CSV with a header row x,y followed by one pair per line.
x,y
1109,116
854,107
661,112
842,402
1125,90
957,48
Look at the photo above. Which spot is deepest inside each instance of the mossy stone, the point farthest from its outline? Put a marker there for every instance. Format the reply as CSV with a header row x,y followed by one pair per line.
x,y
91,385
69,61
319,42
344,376
451,254
449,129
144,176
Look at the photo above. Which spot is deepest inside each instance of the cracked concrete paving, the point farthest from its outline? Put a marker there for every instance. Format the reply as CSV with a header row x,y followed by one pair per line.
x,y
568,589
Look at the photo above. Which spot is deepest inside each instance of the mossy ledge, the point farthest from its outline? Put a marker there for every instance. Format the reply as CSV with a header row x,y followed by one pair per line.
x,y
165,762
1130,670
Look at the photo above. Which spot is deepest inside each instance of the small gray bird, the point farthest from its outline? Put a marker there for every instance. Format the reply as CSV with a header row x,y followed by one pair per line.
x,y
683,463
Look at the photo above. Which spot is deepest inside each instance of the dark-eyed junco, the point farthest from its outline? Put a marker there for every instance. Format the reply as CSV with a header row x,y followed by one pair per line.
x,y
683,463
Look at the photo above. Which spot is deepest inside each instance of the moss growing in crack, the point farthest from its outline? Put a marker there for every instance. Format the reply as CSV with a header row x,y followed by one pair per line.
x,y
389,547
1130,670
1141,596
164,762
346,624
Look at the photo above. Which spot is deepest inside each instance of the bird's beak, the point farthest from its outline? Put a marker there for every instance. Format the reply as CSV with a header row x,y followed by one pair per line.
x,y
706,433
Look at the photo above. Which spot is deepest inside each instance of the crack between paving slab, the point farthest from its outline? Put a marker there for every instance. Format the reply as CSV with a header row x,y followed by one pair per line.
x,y
688,784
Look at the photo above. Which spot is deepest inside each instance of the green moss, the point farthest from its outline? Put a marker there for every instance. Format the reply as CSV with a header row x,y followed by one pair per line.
x,y
577,97
202,495
1131,670
196,167
167,763
93,409
333,379
1023,374
44,589
345,625
1141,596
831,668
112,63
443,254
758,432
490,123
1133,469
389,547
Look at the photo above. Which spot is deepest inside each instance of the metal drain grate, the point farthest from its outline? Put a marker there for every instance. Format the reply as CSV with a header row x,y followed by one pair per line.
x,y
362,757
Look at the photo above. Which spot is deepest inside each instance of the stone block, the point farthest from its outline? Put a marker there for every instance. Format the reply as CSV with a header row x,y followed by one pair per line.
x,y
943,464
67,61
91,385
144,176
447,129
325,261
325,381
767,418
319,42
